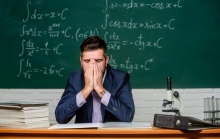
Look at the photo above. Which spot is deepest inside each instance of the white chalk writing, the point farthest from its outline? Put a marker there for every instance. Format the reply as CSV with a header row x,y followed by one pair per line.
x,y
48,41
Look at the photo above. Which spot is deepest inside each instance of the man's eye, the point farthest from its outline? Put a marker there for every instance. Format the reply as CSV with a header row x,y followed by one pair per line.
x,y
98,60
87,61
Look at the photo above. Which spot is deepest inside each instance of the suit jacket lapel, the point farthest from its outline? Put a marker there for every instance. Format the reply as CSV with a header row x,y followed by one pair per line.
x,y
107,85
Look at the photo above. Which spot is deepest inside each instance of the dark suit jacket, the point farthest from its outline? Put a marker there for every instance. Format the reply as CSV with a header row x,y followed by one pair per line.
x,y
120,107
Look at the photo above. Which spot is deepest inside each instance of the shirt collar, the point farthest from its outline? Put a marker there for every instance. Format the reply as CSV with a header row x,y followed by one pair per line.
x,y
104,76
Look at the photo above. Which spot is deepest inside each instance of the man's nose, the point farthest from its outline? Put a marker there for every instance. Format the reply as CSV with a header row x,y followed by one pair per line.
x,y
92,61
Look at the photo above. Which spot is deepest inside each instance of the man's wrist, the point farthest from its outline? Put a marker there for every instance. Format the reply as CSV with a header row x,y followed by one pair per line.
x,y
101,92
85,92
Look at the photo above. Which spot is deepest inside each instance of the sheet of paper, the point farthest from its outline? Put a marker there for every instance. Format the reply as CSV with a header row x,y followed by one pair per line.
x,y
125,125
108,125
80,125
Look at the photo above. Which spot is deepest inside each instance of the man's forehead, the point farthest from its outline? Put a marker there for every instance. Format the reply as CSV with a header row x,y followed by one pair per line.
x,y
96,54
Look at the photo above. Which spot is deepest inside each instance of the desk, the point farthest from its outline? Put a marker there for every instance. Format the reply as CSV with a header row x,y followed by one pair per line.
x,y
154,133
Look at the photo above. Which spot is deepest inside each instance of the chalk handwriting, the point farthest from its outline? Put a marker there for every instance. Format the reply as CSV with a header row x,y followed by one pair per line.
x,y
26,70
129,66
114,42
135,5
84,33
52,32
30,48
40,16
131,24
110,27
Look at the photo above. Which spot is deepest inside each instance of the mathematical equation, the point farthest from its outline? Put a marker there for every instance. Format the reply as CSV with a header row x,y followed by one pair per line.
x,y
40,16
133,5
135,25
53,31
30,48
110,27
129,66
27,69
114,43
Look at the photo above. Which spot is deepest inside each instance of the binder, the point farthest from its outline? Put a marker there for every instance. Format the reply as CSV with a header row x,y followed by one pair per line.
x,y
181,122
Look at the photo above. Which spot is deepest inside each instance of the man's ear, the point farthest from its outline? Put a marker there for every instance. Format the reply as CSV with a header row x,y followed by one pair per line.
x,y
80,59
106,61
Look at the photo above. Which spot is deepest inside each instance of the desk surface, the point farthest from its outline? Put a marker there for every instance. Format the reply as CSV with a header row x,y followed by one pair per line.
x,y
154,133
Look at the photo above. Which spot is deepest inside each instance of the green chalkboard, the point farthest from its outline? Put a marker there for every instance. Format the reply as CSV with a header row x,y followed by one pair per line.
x,y
149,39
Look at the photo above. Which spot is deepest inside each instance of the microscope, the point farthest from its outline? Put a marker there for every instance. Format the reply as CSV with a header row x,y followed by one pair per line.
x,y
171,95
174,121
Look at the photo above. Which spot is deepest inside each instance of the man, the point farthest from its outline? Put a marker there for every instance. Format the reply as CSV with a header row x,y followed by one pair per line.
x,y
97,93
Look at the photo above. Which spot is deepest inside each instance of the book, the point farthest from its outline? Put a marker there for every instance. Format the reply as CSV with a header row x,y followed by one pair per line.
x,y
29,112
23,125
20,114
20,104
22,120
107,125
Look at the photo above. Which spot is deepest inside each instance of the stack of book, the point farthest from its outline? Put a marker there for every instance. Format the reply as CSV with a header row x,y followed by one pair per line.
x,y
24,115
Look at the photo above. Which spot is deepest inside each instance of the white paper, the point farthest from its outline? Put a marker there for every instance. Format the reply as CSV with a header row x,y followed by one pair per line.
x,y
125,125
108,125
78,125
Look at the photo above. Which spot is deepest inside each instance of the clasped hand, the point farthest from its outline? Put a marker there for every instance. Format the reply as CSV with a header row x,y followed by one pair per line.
x,y
93,79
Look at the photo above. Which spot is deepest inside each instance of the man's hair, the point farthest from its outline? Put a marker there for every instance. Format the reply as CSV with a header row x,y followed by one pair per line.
x,y
93,43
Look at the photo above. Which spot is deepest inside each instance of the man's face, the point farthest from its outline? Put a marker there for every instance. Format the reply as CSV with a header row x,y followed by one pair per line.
x,y
94,56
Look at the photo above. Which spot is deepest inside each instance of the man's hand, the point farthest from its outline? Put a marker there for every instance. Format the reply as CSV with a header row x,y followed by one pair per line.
x,y
93,80
89,81
98,75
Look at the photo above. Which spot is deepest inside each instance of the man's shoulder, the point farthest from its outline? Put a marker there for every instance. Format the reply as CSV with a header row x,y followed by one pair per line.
x,y
116,70
117,77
